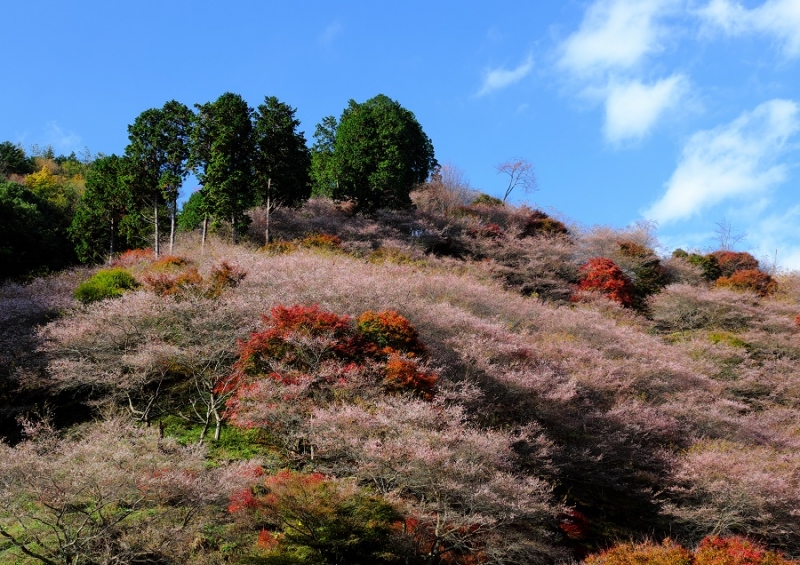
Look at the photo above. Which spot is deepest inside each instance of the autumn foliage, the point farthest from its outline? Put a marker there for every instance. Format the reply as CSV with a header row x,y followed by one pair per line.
x,y
714,550
604,276
752,280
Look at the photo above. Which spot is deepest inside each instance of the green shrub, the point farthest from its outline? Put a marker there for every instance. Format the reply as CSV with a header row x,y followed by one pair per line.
x,y
108,283
486,200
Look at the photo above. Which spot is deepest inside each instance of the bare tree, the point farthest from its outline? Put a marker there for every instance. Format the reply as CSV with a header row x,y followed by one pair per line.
x,y
520,174
726,236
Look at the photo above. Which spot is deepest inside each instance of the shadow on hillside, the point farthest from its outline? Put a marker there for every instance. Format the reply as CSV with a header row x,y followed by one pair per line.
x,y
609,469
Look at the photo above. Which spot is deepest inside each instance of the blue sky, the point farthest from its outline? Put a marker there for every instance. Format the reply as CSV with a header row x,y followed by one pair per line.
x,y
681,112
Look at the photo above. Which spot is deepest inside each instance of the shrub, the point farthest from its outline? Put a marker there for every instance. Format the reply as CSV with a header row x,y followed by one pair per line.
x,y
403,374
279,247
108,283
604,276
749,280
731,261
486,200
321,241
647,553
133,257
323,520
539,223
735,551
389,330
224,276
489,231
168,262
165,284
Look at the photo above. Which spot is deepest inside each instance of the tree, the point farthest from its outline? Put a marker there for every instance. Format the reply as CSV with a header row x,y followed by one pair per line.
x,y
323,170
13,160
380,154
520,174
158,151
281,160
105,204
222,152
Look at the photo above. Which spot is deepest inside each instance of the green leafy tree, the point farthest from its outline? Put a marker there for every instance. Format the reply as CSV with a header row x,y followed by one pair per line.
x,y
102,215
158,153
222,154
281,160
13,160
323,169
193,212
380,154
33,237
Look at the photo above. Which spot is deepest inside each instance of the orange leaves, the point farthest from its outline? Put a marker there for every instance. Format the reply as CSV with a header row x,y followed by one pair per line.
x,y
713,550
404,374
301,340
750,279
604,276
390,330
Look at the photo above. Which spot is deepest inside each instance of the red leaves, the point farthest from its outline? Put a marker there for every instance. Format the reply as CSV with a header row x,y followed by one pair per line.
x,y
603,275
307,341
750,279
732,261
713,550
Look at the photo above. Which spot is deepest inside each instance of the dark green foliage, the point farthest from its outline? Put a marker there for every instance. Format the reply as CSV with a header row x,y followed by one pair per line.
x,y
108,283
486,200
106,221
33,236
380,154
222,152
191,215
323,168
708,263
13,160
281,160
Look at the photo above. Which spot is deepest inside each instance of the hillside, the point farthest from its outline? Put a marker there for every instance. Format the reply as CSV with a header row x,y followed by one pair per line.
x,y
439,385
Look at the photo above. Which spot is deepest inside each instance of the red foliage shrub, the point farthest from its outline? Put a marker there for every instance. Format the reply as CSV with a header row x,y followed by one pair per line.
x,y
539,223
403,374
749,280
165,284
603,275
735,551
390,331
574,524
133,257
797,320
321,241
307,320
732,261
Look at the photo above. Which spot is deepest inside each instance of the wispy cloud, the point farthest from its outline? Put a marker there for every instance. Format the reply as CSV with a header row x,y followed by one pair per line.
x,y
615,34
633,108
739,159
333,30
61,141
777,18
497,79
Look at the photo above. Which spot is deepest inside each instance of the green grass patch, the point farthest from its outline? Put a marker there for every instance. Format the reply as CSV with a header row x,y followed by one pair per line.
x,y
727,338
108,283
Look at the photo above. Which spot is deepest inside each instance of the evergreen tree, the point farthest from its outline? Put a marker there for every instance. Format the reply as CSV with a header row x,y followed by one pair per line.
x,y
281,160
222,153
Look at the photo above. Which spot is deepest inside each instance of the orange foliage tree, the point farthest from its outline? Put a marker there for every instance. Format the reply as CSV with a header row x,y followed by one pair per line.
x,y
603,275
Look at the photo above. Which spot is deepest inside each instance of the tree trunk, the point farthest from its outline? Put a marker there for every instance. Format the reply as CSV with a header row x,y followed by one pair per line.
x,y
111,245
156,246
266,232
233,228
205,231
172,213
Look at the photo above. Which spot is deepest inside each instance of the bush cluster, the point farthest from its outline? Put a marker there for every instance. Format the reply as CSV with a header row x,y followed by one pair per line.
x,y
108,283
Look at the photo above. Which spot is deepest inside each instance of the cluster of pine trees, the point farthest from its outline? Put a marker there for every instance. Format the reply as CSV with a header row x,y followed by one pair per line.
x,y
62,209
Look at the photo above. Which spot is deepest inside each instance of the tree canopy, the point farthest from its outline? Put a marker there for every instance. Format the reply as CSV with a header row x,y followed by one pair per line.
x,y
380,154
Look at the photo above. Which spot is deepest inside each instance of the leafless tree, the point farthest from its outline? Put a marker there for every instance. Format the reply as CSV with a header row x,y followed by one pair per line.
x,y
520,174
726,236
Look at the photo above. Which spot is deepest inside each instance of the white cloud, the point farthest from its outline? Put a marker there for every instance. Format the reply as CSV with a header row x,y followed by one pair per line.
x,y
778,18
61,141
496,79
634,108
615,34
331,32
738,159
